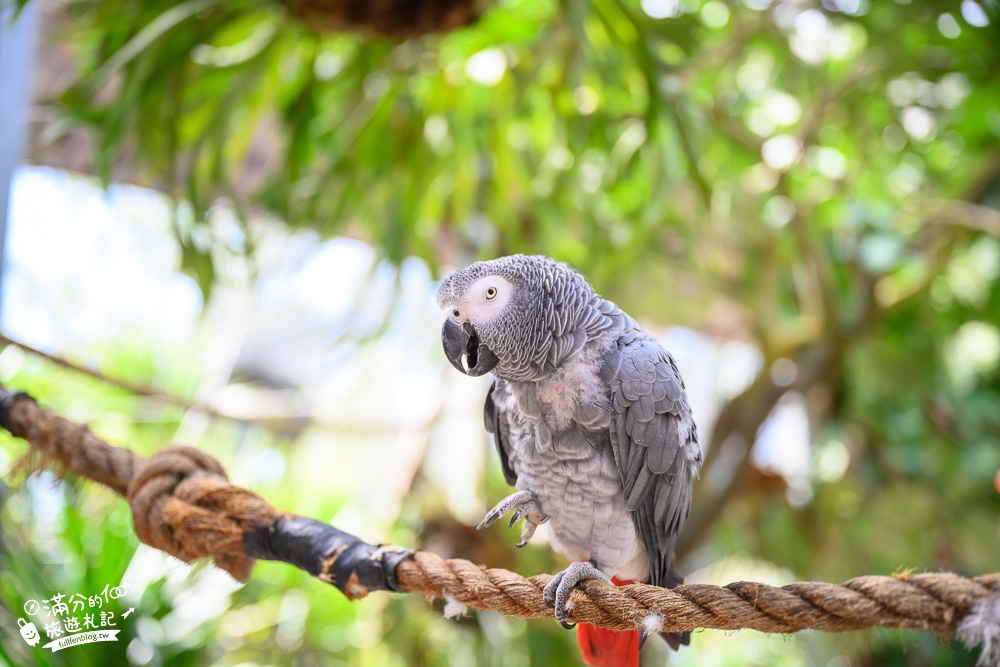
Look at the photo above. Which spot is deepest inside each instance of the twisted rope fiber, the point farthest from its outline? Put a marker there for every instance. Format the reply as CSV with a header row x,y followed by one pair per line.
x,y
932,602
181,499
183,503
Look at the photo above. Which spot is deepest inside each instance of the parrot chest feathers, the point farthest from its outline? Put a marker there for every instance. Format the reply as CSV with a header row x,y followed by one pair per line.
x,y
562,453
579,488
575,396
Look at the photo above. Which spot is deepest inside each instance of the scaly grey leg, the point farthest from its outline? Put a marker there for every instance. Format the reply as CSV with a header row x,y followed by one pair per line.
x,y
556,593
527,507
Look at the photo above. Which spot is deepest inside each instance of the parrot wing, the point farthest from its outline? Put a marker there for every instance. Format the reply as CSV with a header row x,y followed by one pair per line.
x,y
498,423
655,445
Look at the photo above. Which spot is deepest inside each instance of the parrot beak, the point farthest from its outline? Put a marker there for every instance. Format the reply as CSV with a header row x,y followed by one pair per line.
x,y
464,351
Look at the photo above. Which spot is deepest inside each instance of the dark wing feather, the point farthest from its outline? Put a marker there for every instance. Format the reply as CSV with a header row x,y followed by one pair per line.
x,y
497,423
655,446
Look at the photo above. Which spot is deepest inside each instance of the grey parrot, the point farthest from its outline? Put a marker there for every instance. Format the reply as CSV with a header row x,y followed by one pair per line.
x,y
590,419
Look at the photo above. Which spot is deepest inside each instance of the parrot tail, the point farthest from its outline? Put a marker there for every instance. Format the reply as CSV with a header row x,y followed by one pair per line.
x,y
608,648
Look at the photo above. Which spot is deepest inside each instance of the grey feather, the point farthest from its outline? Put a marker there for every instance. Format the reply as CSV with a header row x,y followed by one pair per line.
x,y
497,423
639,492
640,429
662,457
659,392
644,407
636,464
665,405
611,365
654,422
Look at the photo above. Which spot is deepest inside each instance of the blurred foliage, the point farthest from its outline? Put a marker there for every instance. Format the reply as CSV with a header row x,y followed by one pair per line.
x,y
589,130
821,178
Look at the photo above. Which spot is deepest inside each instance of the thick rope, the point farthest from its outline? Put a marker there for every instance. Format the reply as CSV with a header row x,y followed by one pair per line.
x,y
183,503
181,500
930,602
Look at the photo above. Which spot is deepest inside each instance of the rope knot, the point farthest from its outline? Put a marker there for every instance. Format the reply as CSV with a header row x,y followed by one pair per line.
x,y
182,503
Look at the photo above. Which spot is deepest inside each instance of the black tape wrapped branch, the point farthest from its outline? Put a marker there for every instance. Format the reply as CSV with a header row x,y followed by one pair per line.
x,y
339,558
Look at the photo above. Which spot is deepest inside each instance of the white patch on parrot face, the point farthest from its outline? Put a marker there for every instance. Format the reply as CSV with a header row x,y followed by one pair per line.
x,y
483,301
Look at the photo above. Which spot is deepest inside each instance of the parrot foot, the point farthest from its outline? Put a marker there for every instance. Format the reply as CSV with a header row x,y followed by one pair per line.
x,y
556,593
526,507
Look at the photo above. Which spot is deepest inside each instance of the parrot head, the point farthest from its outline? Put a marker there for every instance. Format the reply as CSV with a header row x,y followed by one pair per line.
x,y
507,315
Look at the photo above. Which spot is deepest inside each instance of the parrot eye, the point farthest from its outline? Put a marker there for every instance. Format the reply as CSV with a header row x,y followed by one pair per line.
x,y
491,292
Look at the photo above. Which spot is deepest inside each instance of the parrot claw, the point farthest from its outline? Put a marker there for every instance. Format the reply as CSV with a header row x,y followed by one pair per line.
x,y
527,532
556,593
531,513
525,506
